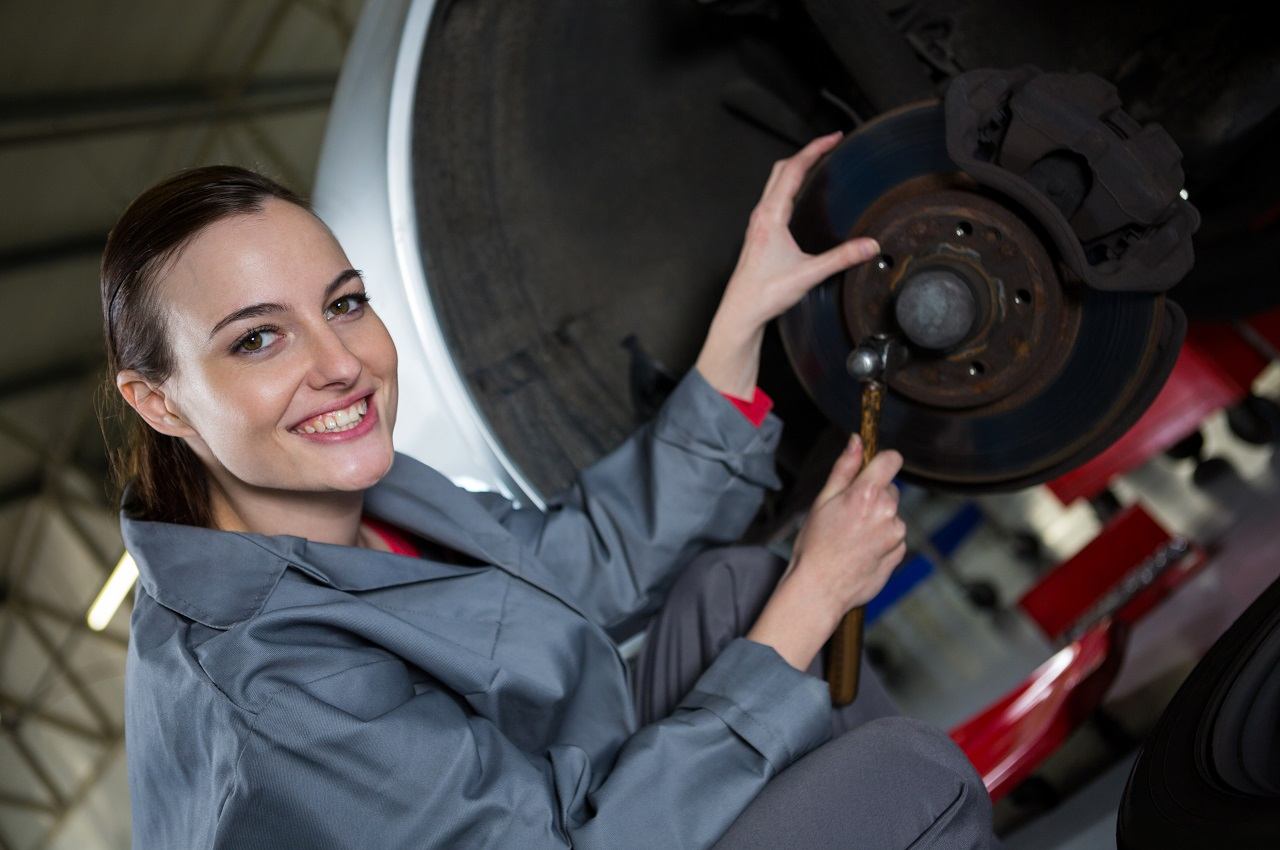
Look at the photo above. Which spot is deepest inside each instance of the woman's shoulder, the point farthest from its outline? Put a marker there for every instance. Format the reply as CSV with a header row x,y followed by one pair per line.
x,y
246,664
197,699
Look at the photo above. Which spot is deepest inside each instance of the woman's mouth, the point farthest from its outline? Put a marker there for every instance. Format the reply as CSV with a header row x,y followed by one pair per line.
x,y
349,422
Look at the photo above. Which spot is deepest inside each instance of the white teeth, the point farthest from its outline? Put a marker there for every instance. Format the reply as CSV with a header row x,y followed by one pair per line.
x,y
335,420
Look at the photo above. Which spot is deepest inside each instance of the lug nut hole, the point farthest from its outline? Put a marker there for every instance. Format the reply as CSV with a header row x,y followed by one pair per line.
x,y
977,368
1022,296
884,262
964,228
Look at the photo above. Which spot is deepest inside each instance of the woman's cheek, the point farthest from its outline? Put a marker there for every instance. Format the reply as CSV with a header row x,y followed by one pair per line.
x,y
379,347
255,401
380,356
392,377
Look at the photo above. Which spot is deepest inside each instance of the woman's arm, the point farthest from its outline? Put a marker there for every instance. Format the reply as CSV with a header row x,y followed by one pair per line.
x,y
354,761
696,475
846,551
691,478
853,537
771,276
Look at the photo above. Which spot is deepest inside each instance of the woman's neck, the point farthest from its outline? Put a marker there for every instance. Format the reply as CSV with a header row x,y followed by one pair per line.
x,y
322,517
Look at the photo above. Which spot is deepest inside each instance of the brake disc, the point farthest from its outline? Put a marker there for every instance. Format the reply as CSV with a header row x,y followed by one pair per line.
x,y
1008,369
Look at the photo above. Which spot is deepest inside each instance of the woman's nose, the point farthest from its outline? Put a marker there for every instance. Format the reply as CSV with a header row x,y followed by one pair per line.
x,y
332,361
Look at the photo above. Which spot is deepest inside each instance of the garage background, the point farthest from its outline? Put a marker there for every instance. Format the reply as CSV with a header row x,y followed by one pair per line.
x,y
97,102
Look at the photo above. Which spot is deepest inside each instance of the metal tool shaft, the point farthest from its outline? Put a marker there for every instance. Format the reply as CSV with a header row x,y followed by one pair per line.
x,y
844,652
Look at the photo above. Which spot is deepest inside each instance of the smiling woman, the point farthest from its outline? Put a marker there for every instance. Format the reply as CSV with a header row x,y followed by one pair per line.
x,y
234,412
334,646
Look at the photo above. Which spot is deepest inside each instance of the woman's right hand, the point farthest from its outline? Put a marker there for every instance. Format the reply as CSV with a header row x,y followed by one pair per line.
x,y
848,547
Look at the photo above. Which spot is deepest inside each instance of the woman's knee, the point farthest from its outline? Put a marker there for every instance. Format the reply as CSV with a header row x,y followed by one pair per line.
x,y
891,784
941,798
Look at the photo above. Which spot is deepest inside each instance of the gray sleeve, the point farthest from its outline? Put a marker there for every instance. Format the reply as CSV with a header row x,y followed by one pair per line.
x,y
692,478
327,766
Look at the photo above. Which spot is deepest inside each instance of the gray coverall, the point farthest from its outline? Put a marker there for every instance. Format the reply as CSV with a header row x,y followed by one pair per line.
x,y
284,693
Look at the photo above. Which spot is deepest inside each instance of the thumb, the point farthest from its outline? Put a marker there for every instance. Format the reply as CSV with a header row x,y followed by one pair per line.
x,y
843,471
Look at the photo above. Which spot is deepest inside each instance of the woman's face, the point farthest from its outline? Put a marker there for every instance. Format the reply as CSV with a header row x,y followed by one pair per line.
x,y
286,377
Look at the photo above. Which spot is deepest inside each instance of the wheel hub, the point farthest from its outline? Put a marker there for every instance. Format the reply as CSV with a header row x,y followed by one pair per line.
x,y
970,288
1006,369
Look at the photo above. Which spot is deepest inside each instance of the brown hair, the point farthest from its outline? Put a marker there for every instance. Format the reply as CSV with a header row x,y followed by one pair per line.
x,y
167,482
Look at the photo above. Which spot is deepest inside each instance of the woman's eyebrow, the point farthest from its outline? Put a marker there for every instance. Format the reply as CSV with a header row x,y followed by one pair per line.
x,y
255,310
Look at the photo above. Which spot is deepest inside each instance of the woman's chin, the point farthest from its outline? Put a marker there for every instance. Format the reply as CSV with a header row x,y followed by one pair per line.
x,y
363,475
358,468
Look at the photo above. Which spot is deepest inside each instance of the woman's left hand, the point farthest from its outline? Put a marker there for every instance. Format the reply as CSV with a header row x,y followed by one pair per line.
x,y
772,275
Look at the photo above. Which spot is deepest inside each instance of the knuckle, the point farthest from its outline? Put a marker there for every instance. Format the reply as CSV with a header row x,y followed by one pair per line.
x,y
849,502
766,211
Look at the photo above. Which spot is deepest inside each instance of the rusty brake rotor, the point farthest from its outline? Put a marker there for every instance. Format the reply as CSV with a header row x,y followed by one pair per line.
x,y
1008,369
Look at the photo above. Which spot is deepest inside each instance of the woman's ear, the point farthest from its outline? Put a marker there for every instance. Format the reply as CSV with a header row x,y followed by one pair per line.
x,y
152,404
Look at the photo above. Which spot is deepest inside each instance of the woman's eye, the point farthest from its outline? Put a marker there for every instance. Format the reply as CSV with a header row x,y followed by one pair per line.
x,y
255,340
348,304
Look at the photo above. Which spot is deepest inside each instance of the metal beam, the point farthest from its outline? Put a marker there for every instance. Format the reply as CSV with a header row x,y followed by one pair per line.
x,y
80,246
52,459
28,120
331,11
14,569
58,661
69,619
73,368
21,490
38,768
243,78
15,711
71,497
99,770
93,548
7,799
274,154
